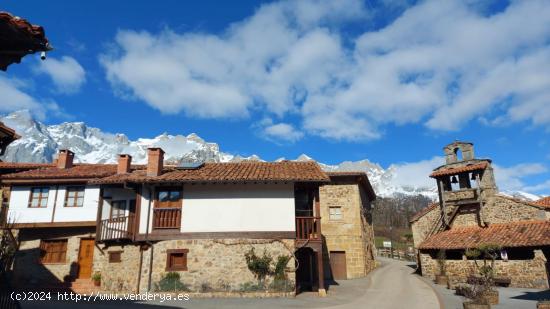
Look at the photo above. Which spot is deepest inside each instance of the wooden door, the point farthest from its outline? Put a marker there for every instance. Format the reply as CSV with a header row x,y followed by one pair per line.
x,y
85,258
338,265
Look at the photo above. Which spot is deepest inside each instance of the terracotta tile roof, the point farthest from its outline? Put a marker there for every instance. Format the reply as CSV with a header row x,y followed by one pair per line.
x,y
18,38
229,172
364,180
8,131
80,171
461,169
512,234
423,212
23,165
544,202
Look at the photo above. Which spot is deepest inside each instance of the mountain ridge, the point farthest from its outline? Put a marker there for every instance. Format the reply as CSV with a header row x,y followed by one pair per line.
x,y
40,143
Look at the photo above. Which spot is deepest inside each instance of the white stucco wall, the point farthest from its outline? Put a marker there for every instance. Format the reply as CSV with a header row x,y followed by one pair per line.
x,y
116,194
21,213
234,208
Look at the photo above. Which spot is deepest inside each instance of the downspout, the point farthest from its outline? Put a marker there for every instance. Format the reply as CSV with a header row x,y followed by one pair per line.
x,y
147,240
55,203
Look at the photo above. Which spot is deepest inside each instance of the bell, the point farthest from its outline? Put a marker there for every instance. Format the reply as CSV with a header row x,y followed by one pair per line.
x,y
454,180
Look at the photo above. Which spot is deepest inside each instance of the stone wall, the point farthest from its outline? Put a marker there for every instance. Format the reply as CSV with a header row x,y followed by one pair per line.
x,y
118,276
29,272
353,233
523,273
422,226
218,264
500,209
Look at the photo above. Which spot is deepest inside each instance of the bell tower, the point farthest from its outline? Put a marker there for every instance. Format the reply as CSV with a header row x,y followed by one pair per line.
x,y
465,183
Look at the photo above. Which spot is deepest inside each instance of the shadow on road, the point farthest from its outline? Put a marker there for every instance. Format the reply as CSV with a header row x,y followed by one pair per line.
x,y
539,295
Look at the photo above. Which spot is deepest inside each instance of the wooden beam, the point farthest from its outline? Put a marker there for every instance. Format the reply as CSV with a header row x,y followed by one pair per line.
x,y
54,224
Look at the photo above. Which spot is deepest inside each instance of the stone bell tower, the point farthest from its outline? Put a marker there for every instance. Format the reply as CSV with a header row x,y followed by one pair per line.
x,y
465,184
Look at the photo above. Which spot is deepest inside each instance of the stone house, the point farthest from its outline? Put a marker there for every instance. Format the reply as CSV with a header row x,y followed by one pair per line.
x,y
471,212
135,223
346,219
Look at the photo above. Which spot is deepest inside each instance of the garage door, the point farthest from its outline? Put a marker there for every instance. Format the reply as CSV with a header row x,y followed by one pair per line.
x,y
338,265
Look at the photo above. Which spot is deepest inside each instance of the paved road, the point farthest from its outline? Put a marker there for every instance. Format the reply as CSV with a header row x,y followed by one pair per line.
x,y
394,286
390,286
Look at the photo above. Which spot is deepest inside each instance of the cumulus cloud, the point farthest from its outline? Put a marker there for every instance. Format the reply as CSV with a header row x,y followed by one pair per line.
x,y
279,132
440,63
14,98
66,73
512,177
416,173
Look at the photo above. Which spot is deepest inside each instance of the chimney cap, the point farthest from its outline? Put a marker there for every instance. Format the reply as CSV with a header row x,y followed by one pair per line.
x,y
124,155
155,149
65,150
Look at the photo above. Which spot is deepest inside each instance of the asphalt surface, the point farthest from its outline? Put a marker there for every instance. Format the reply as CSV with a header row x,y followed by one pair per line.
x,y
393,285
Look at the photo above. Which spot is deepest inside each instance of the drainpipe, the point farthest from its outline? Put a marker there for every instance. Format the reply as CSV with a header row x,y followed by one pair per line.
x,y
147,240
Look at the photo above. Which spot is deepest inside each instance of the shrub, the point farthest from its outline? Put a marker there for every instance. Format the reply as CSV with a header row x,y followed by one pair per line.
x,y
259,266
486,271
171,282
251,287
281,286
96,276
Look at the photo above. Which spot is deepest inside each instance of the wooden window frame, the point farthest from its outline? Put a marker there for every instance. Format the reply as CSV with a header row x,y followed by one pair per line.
x,y
45,254
341,213
115,256
168,204
169,266
75,196
118,211
40,197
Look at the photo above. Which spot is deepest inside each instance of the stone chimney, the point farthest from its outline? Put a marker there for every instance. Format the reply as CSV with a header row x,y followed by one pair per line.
x,y
155,161
124,163
65,159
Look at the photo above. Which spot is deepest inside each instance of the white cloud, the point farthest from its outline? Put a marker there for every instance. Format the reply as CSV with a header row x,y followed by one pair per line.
x,y
279,132
442,63
67,74
15,98
511,178
416,173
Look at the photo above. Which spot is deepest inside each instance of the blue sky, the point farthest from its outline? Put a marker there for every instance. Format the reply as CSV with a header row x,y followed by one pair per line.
x,y
391,81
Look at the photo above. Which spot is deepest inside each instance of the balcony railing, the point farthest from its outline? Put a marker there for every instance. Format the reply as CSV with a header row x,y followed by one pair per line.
x,y
116,228
308,228
166,218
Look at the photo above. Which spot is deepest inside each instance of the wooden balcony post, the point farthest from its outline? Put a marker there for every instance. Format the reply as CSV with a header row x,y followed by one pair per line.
x,y
321,275
318,212
98,230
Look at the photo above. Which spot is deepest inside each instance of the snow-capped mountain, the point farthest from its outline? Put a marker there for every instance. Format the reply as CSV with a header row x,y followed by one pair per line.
x,y
40,143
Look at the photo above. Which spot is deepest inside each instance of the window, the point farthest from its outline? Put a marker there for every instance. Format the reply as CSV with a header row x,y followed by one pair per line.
x,y
176,259
115,256
39,197
74,196
169,197
53,251
335,213
118,209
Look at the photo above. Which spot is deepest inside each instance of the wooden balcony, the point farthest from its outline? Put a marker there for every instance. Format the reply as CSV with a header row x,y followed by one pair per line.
x,y
308,228
167,218
116,229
